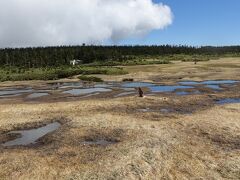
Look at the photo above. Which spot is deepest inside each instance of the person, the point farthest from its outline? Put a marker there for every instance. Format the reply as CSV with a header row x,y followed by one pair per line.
x,y
140,92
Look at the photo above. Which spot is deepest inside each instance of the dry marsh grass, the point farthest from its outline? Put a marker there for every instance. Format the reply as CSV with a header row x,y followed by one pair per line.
x,y
202,144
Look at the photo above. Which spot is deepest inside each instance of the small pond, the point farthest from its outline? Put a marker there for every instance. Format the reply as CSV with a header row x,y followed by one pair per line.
x,y
28,137
209,82
228,101
76,92
184,93
37,95
8,92
136,84
216,87
125,88
168,88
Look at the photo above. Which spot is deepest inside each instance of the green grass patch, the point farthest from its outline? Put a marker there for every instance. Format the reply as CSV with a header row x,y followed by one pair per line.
x,y
21,74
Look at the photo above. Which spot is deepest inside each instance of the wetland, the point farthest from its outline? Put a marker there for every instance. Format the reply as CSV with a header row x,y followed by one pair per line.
x,y
73,129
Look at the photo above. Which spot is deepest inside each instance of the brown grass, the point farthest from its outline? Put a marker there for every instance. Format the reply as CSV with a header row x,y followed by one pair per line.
x,y
225,68
204,144
201,145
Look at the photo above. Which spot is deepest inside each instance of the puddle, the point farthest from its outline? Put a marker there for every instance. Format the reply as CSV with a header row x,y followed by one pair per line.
x,y
9,96
228,101
37,95
76,92
80,85
168,88
216,82
103,85
81,88
217,87
136,84
100,142
65,84
212,84
72,85
14,92
184,93
31,136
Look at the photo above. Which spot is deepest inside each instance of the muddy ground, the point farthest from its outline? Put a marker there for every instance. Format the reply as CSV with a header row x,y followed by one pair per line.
x,y
156,137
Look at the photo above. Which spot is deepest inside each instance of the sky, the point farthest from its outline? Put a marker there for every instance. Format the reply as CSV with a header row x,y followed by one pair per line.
x,y
197,23
25,23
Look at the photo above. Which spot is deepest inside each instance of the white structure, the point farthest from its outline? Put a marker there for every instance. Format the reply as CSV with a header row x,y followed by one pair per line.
x,y
76,62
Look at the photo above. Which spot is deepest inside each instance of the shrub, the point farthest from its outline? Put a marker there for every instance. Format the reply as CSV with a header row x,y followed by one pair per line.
x,y
128,80
90,78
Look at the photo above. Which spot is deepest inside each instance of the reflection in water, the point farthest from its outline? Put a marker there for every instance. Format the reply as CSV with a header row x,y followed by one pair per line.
x,y
136,84
31,136
228,101
80,88
9,96
217,87
37,95
217,82
14,91
168,88
76,92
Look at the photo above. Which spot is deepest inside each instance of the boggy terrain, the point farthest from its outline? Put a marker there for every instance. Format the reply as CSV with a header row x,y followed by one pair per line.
x,y
162,136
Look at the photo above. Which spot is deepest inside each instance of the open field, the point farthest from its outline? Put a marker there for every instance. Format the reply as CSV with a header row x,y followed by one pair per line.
x,y
53,73
224,68
197,139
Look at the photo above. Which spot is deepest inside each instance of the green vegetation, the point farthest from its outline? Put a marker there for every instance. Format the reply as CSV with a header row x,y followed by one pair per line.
x,y
106,55
90,78
52,63
21,74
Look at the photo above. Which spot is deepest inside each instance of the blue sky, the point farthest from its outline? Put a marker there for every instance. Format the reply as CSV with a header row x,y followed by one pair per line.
x,y
198,22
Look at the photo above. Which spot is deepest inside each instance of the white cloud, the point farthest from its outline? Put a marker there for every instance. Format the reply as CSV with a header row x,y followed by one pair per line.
x,y
71,22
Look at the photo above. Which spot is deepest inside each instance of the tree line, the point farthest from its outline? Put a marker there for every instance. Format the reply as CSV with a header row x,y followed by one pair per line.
x,y
62,55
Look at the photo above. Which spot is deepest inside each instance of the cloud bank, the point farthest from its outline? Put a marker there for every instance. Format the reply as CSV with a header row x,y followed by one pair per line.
x,y
71,22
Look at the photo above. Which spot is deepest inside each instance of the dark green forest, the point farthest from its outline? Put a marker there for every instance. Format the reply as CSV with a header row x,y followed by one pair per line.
x,y
62,55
